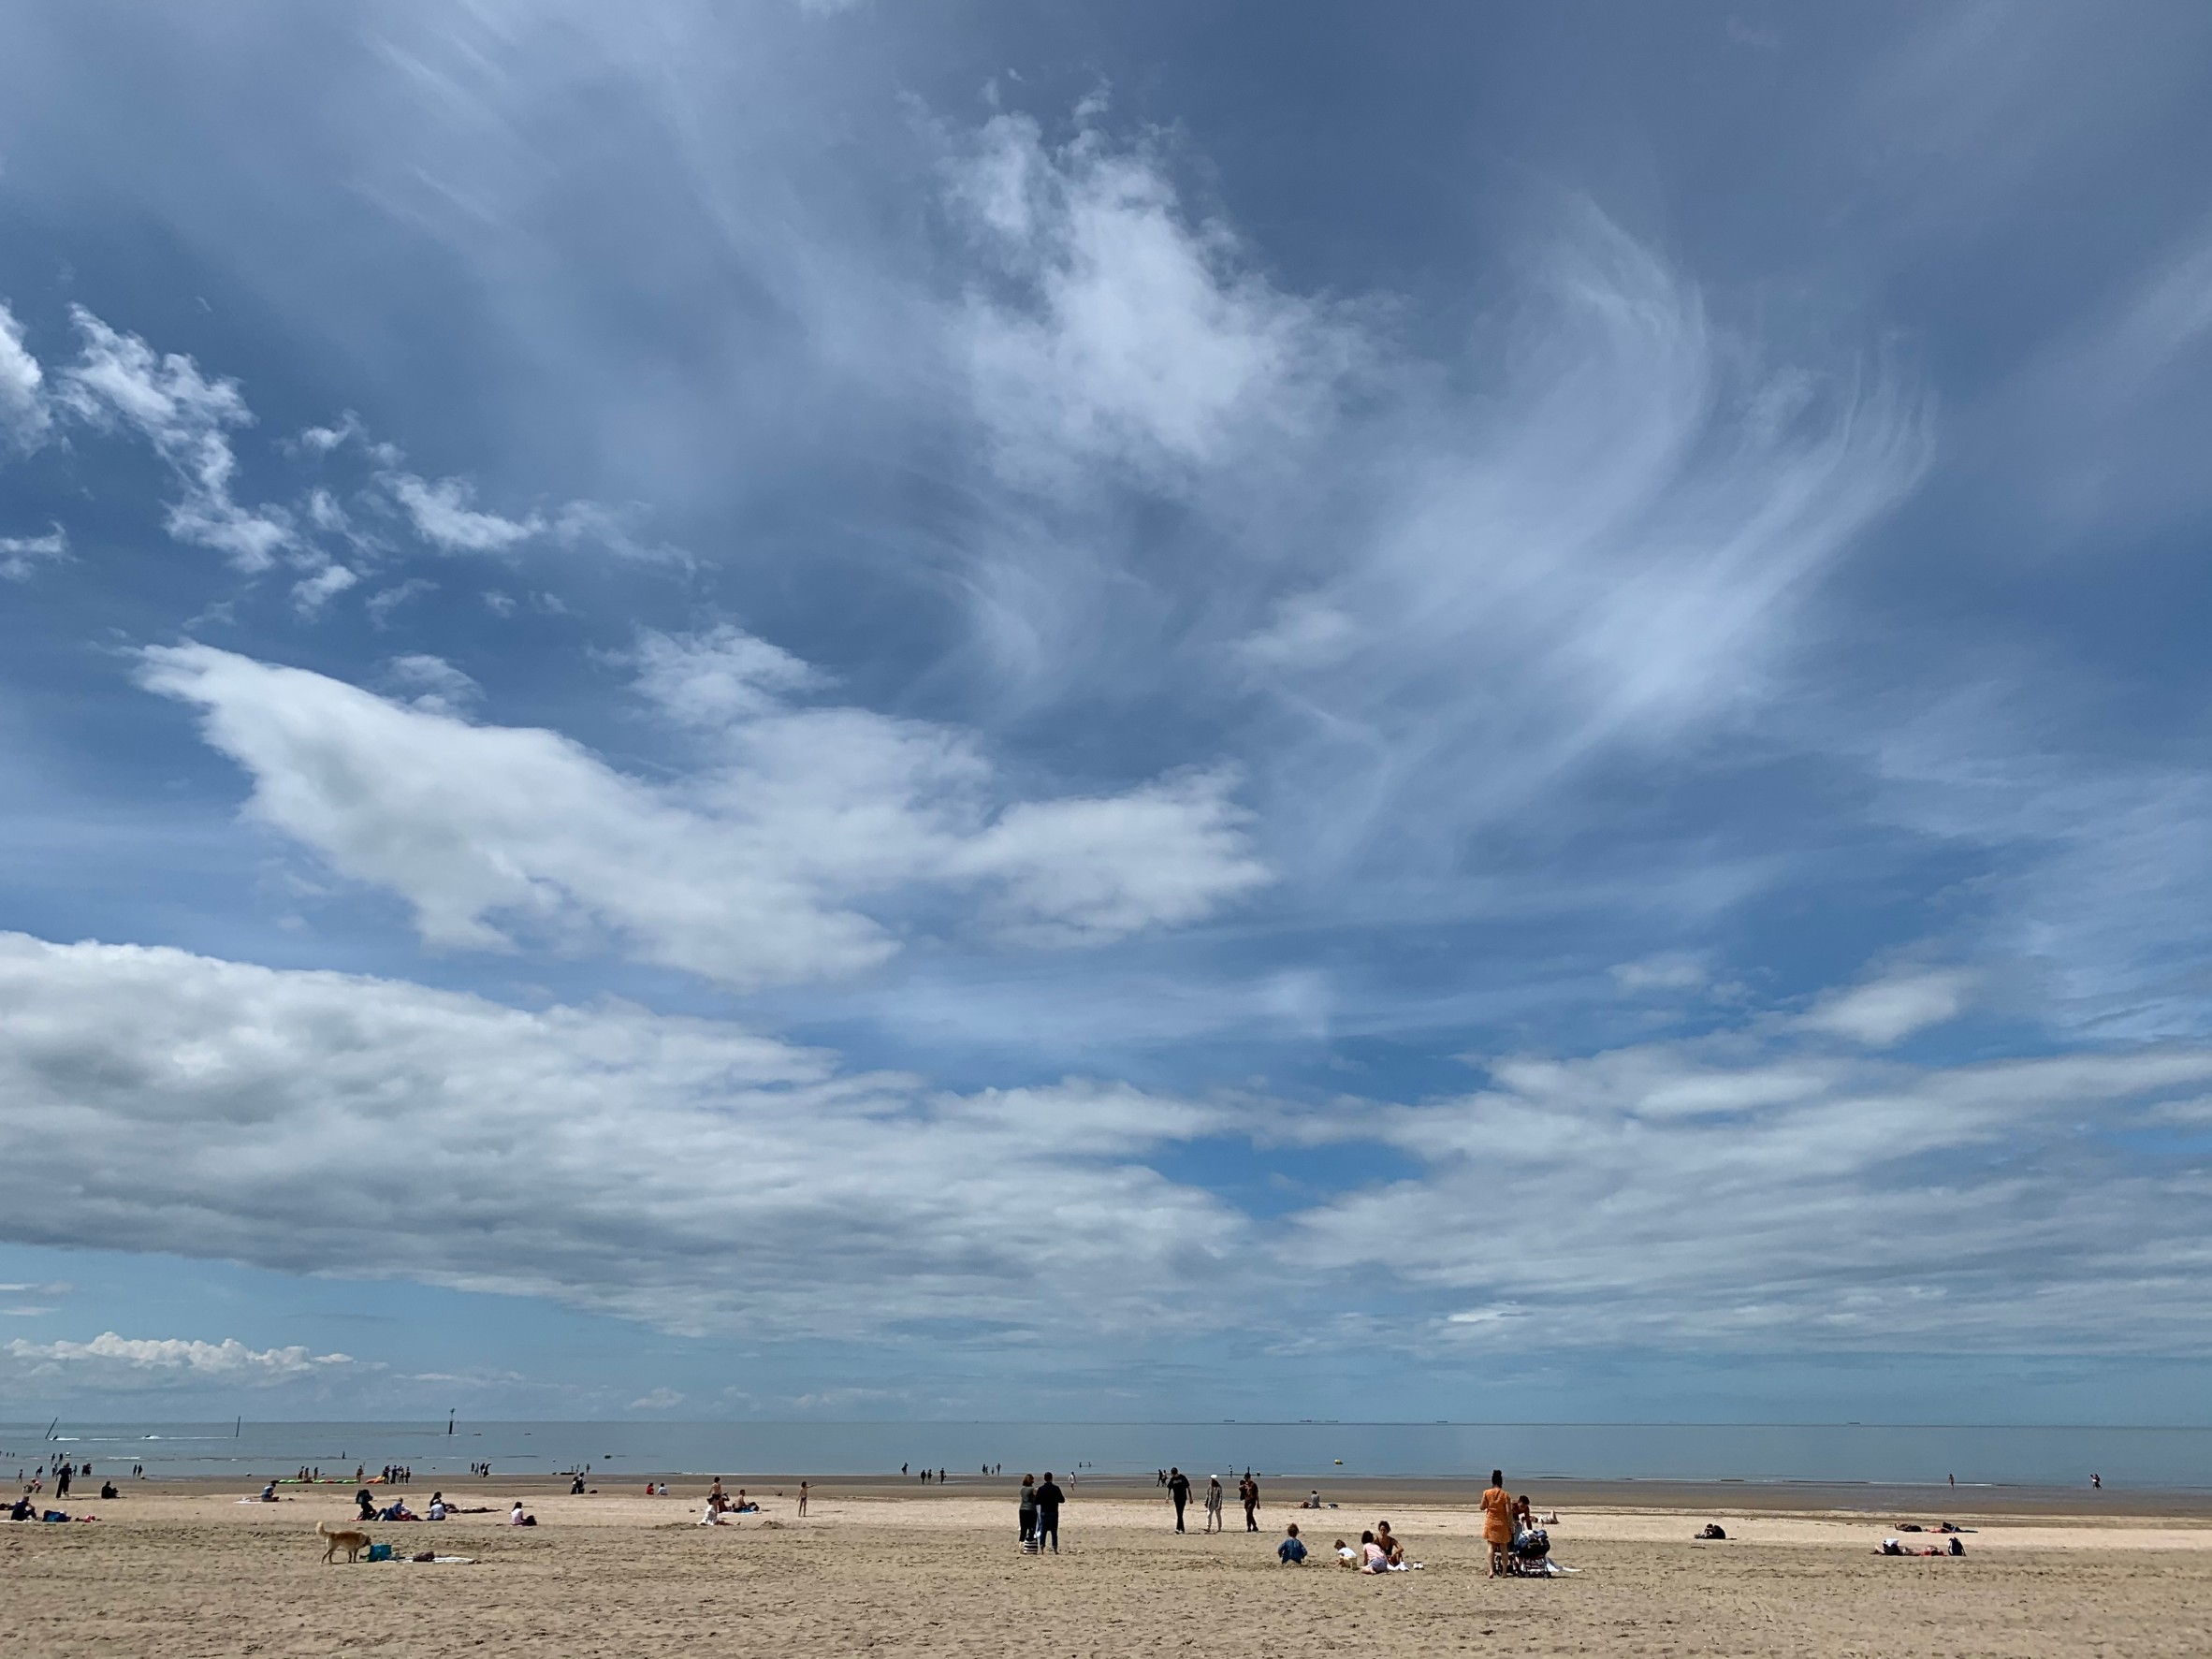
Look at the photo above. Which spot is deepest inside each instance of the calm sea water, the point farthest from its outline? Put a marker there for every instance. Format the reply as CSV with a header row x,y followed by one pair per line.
x,y
1308,1452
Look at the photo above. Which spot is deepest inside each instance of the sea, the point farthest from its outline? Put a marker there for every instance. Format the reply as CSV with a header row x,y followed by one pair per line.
x,y
1309,1452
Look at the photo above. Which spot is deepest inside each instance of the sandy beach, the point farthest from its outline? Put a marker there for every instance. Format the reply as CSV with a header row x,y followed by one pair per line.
x,y
187,1569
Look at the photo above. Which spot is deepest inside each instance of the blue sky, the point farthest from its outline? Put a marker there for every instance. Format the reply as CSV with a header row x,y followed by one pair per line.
x,y
1107,711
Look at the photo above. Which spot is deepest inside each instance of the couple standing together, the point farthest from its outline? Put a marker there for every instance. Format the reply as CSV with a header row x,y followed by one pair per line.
x,y
1041,1512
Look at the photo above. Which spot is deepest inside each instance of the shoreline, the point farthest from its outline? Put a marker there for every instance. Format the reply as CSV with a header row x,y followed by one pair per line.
x,y
1279,1495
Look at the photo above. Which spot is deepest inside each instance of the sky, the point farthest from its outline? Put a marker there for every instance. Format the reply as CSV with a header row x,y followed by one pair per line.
x,y
1116,712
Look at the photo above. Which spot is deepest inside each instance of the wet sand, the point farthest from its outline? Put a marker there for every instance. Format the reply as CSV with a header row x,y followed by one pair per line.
x,y
186,1569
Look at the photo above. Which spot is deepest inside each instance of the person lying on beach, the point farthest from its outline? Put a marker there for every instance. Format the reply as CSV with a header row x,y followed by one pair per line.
x,y
1290,1551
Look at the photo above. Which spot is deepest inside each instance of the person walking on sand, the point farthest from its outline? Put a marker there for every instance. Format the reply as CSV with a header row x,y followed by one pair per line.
x,y
1049,1499
1178,1492
1249,1494
1498,1522
1213,1503
802,1497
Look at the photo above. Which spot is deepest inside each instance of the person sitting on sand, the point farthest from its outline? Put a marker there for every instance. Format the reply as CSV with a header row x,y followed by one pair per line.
x,y
269,1493
1345,1555
1291,1552
516,1517
1393,1551
1374,1558
437,1506
108,1489
22,1510
1498,1522
711,1515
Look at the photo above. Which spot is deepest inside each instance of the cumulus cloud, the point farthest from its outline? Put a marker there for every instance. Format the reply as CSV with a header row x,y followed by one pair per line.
x,y
1117,328
24,415
112,1363
22,556
758,869
657,1400
682,1172
118,379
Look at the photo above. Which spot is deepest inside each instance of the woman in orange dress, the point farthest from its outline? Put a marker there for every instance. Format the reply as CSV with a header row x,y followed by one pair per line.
x,y
1498,1522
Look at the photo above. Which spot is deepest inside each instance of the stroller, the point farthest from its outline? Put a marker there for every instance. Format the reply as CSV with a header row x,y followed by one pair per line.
x,y
1531,1555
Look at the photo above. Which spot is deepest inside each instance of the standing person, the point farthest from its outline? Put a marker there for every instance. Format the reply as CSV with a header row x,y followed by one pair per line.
x,y
1498,1522
1249,1492
1178,1492
1026,1508
1213,1503
1049,1499
802,1497
61,1482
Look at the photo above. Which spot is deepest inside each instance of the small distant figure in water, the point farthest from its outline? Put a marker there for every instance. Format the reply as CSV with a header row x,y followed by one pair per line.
x,y
1952,1478
902,1468
802,1497
2096,1482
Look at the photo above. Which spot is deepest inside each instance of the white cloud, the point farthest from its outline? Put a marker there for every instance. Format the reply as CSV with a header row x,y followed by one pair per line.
x,y
383,603
18,553
441,515
1892,1008
24,415
186,417
657,1400
311,594
433,683
763,867
323,440
719,677
1116,329
110,1361
1659,973
1736,1190
681,1172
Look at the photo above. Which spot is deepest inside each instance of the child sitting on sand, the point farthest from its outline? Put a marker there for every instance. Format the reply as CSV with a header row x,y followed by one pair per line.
x,y
1290,1551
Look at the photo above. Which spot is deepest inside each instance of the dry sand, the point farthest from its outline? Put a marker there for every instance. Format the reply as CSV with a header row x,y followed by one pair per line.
x,y
187,1570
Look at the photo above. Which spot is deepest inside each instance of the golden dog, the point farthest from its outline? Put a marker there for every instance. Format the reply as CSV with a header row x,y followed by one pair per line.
x,y
348,1539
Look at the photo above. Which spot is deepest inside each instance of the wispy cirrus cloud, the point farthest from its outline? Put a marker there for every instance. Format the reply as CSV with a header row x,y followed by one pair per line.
x,y
23,414
118,379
